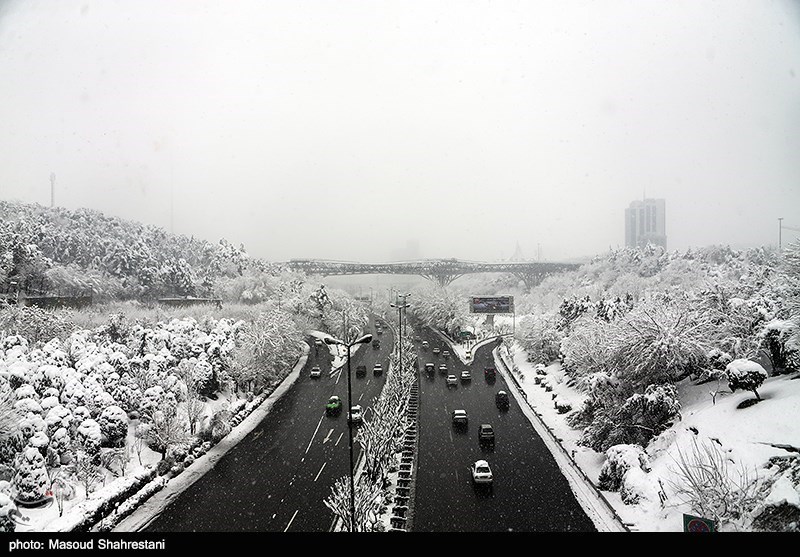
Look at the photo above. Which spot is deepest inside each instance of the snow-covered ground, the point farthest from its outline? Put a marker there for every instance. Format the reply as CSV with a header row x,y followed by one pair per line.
x,y
745,435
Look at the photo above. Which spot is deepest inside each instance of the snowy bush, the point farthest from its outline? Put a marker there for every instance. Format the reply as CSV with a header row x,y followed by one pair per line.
x,y
781,338
636,421
745,374
619,460
89,436
31,480
637,486
704,478
113,422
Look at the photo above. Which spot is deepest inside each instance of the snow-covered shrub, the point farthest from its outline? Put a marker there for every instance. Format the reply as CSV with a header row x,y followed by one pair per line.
x,y
781,338
745,374
619,460
113,422
31,480
703,478
7,508
39,441
27,405
89,436
562,407
61,443
636,421
540,337
637,486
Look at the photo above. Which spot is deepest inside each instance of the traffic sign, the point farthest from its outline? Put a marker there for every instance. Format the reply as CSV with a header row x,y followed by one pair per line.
x,y
698,524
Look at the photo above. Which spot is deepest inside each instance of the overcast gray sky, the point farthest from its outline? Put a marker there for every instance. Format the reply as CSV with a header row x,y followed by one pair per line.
x,y
345,129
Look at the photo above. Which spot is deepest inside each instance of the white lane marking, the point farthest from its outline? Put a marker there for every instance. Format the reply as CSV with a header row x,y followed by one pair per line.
x,y
292,520
359,397
320,471
339,377
456,471
315,433
327,437
338,439
274,515
368,380
451,435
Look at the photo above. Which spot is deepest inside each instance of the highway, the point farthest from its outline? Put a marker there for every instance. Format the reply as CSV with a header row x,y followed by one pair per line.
x,y
529,491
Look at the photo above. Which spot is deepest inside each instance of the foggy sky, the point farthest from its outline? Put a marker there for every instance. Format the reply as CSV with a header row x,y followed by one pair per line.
x,y
347,129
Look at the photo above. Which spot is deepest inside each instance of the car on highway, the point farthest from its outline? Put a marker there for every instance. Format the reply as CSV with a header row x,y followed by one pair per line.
x,y
430,368
356,414
377,369
436,350
316,372
376,344
424,344
501,399
490,373
379,330
334,405
459,417
317,342
481,473
452,380
361,370
443,369
486,434
466,375
446,353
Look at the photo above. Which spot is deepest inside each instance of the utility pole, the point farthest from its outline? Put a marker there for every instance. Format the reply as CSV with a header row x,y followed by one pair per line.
x,y
780,230
52,189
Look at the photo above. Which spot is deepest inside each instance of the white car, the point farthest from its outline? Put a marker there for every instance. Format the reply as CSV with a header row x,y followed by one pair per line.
x,y
318,342
436,350
316,372
481,473
452,380
466,376
356,414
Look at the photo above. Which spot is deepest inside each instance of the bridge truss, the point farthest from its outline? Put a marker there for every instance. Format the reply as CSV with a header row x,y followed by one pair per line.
x,y
441,271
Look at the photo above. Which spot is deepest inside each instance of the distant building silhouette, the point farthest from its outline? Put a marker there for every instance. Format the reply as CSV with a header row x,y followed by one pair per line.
x,y
645,223
517,255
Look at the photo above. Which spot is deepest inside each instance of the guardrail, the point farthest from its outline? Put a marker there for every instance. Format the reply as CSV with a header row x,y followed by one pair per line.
x,y
557,440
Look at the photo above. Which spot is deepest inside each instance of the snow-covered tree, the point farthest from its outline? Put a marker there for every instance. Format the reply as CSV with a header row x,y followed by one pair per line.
x,y
745,374
31,480
113,422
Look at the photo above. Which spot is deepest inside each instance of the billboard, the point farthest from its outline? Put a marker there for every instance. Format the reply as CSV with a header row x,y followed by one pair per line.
x,y
491,304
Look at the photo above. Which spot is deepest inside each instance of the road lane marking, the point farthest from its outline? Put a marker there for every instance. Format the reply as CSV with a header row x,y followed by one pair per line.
x,y
327,437
339,376
368,380
339,439
359,397
320,471
292,520
315,433
451,435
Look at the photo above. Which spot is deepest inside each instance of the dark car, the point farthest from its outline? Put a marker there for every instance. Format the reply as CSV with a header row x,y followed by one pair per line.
x,y
501,399
490,373
377,370
376,343
486,434
361,371
443,369
430,368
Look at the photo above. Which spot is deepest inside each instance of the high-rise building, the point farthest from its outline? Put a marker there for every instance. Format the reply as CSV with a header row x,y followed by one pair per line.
x,y
645,223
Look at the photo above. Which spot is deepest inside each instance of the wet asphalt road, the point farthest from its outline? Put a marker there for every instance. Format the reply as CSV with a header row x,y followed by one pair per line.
x,y
529,491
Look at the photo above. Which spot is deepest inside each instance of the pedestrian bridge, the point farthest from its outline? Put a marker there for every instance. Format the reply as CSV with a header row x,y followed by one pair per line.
x,y
442,271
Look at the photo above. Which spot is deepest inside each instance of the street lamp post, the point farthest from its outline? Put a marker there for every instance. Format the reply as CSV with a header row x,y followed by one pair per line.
x,y
400,307
363,340
780,230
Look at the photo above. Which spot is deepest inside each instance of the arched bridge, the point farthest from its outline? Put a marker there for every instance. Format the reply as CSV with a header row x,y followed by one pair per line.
x,y
443,271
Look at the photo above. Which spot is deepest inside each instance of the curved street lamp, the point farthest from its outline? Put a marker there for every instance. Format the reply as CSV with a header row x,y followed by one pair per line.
x,y
363,340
